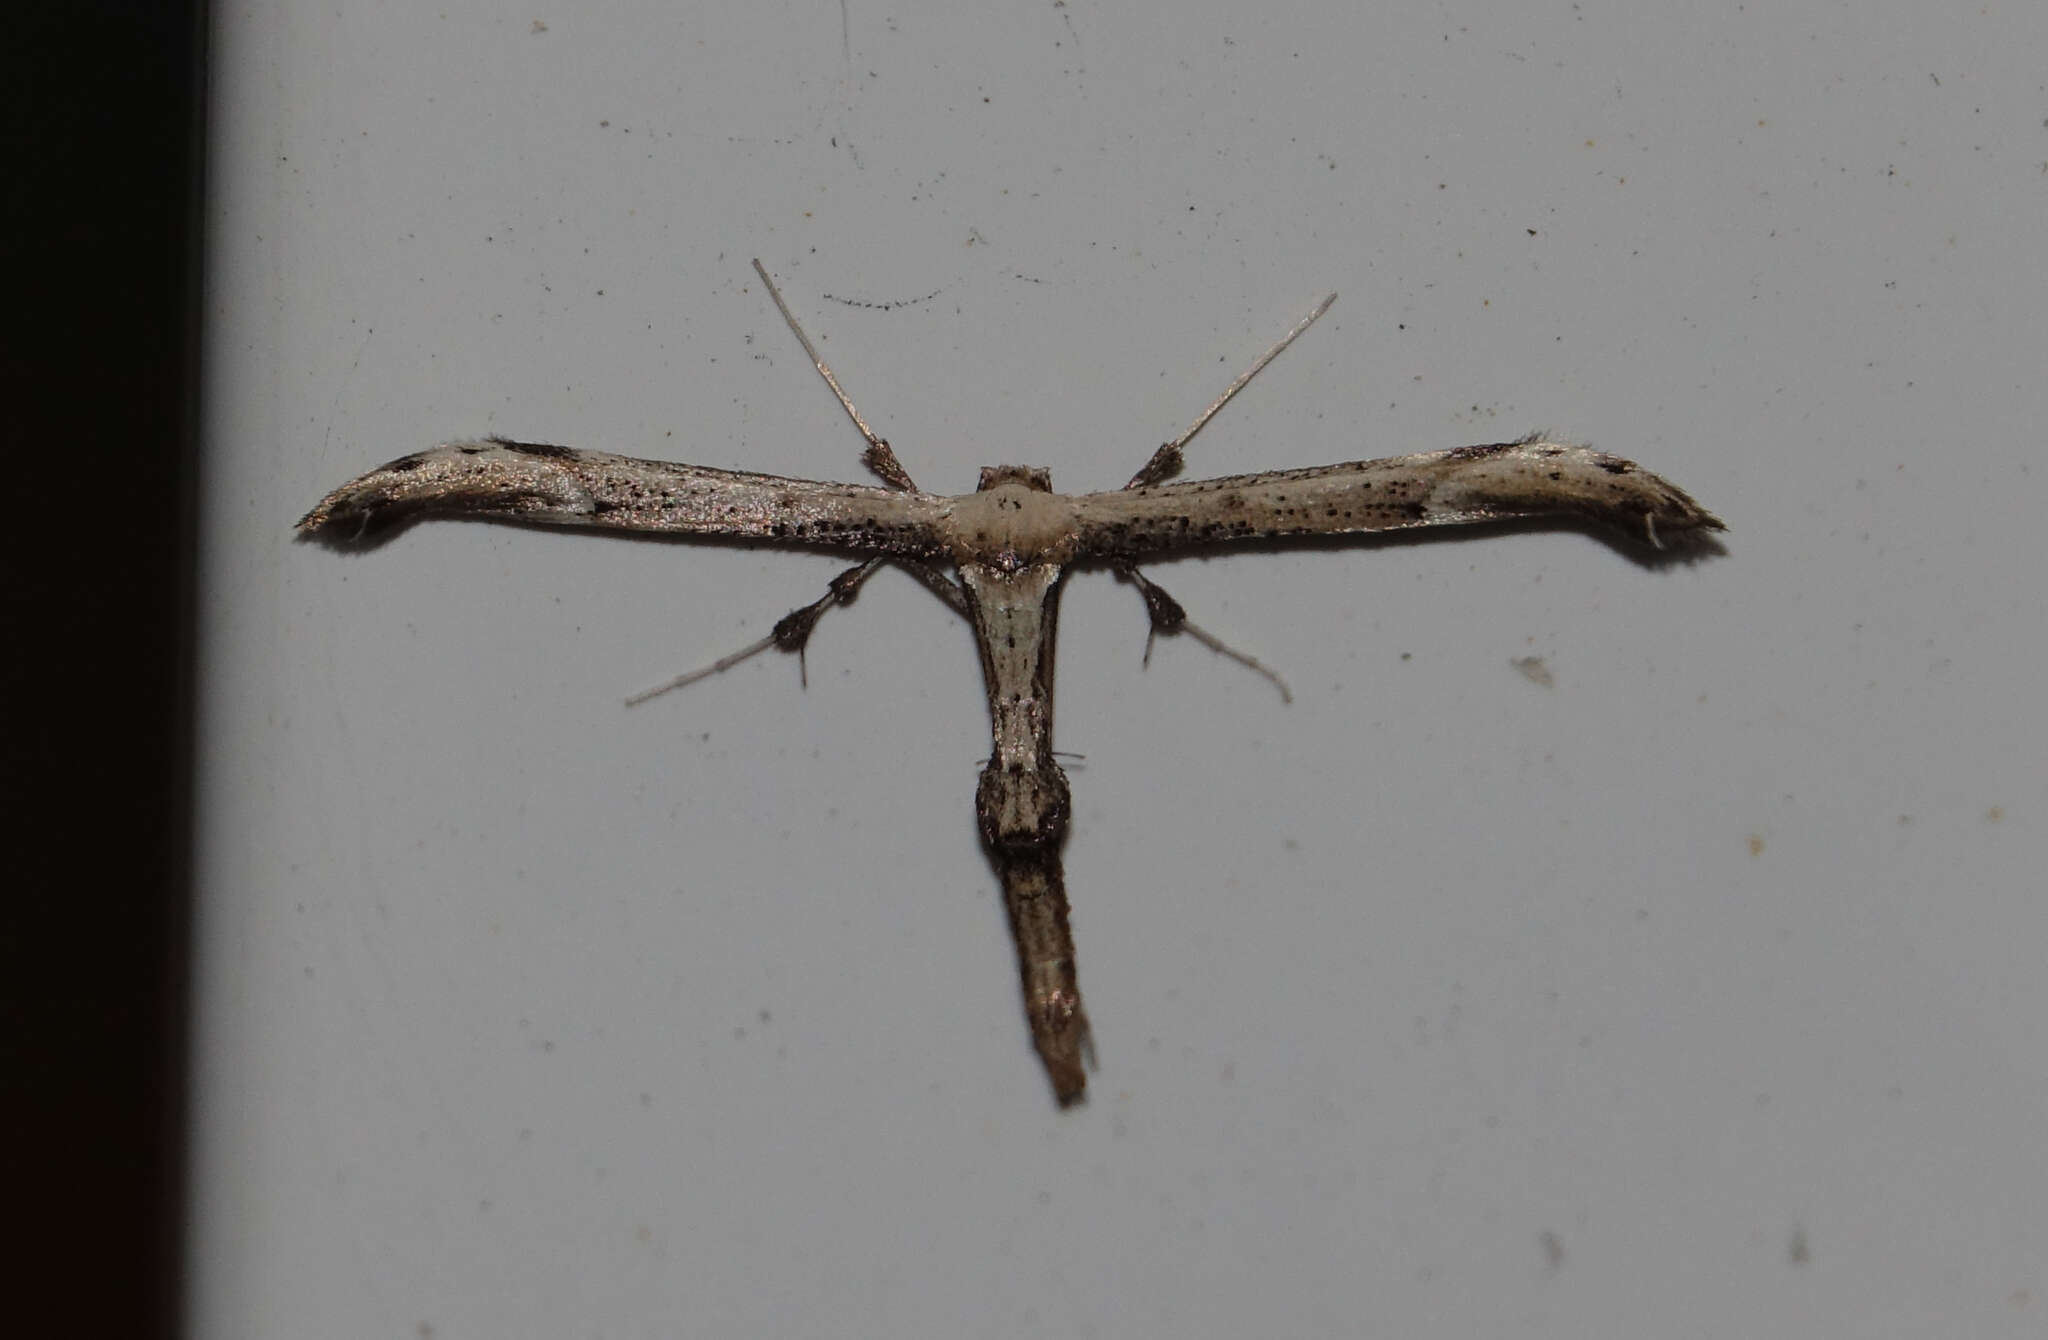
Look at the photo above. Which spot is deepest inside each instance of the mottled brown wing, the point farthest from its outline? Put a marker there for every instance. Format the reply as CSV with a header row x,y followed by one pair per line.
x,y
1530,478
561,486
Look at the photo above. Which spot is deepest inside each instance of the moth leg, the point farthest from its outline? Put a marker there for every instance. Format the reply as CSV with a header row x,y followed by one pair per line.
x,y
1164,465
940,585
1167,615
1166,461
878,457
792,632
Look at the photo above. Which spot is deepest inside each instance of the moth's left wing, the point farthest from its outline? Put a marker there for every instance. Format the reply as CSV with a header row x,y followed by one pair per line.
x,y
1534,477
561,486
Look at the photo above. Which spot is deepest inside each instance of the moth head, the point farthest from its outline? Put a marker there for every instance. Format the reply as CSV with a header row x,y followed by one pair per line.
x,y
1034,477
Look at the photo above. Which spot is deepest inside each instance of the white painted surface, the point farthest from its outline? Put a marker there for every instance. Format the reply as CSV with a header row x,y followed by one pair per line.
x,y
520,1014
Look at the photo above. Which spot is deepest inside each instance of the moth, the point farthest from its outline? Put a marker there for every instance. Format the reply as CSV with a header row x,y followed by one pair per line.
x,y
999,556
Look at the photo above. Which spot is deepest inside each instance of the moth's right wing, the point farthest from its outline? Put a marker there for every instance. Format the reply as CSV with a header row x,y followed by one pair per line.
x,y
1535,477
562,486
